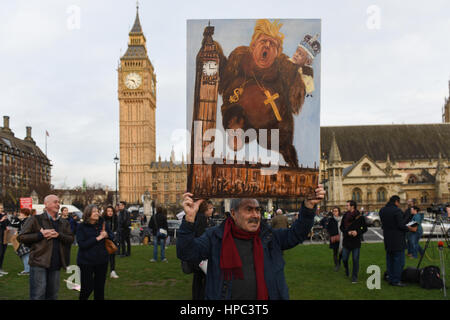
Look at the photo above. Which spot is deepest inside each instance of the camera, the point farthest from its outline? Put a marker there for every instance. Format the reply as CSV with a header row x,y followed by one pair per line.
x,y
437,208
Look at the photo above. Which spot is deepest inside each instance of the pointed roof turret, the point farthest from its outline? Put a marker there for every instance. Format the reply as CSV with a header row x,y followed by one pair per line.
x,y
137,43
172,155
334,155
137,23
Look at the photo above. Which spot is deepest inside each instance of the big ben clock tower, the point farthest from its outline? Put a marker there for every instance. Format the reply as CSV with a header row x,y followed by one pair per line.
x,y
208,65
137,104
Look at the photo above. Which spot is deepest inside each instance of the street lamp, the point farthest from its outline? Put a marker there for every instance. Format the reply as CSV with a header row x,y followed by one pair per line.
x,y
116,161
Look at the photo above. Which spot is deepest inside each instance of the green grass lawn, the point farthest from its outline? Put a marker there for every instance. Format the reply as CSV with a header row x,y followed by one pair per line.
x,y
309,273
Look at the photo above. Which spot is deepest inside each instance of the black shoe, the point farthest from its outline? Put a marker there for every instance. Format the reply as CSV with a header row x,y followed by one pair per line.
x,y
337,267
398,284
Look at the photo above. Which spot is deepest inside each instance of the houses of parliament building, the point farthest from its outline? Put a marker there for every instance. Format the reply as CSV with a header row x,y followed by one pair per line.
x,y
366,163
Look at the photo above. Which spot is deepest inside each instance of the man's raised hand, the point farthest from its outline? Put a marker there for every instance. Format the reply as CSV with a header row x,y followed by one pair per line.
x,y
320,194
190,207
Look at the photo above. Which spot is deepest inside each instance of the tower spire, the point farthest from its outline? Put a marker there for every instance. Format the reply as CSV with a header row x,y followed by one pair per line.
x,y
137,23
334,155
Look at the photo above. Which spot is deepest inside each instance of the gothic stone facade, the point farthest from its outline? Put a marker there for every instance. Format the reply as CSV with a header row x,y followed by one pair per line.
x,y
371,163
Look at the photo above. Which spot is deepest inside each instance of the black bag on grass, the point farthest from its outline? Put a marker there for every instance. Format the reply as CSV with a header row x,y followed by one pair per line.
x,y
411,275
430,278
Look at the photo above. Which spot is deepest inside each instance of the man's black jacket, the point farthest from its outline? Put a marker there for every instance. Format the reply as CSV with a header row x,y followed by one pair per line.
x,y
394,228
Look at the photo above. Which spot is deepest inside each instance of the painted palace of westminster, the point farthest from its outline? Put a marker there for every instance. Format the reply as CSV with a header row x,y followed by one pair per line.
x,y
367,163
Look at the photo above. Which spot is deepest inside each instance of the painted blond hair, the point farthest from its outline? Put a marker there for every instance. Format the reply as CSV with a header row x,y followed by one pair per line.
x,y
271,29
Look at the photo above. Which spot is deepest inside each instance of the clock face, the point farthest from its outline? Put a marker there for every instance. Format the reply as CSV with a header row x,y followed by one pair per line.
x,y
210,68
133,80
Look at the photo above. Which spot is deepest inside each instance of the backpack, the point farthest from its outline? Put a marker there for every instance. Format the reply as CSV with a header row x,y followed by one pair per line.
x,y
411,274
430,278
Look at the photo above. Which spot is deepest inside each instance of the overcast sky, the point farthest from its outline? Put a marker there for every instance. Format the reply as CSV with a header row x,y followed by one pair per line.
x,y
383,62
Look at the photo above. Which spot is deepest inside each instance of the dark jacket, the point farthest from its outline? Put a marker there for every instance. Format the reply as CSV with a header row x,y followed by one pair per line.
x,y
112,223
124,221
394,228
91,251
280,222
161,222
333,230
358,224
41,248
208,246
3,226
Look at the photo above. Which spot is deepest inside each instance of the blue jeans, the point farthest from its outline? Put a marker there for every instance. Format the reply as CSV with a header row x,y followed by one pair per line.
x,y
44,284
162,243
414,238
25,258
395,262
355,258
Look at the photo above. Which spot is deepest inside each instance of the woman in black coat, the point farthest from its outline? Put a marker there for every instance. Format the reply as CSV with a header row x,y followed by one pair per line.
x,y
201,223
111,222
335,236
92,255
352,226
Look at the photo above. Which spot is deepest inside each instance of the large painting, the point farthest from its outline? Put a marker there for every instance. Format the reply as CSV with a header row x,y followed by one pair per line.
x,y
253,107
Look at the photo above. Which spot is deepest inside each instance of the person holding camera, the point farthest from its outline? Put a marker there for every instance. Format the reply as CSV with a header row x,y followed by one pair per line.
x,y
158,226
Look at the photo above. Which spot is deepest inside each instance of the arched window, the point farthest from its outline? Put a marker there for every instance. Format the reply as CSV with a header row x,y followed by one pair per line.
x,y
381,195
424,198
365,169
412,179
356,195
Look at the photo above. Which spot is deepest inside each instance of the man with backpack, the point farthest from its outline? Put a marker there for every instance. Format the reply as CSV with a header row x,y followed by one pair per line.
x,y
394,231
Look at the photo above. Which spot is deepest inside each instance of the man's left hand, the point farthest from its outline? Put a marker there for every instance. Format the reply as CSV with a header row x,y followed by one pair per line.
x,y
320,194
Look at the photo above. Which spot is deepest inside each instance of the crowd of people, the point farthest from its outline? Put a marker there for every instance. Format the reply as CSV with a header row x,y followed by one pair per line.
x,y
240,258
401,231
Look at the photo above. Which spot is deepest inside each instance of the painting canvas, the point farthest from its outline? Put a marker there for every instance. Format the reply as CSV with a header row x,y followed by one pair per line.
x,y
253,107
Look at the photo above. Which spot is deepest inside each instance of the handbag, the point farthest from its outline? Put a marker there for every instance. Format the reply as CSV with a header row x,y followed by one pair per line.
x,y
109,244
161,233
334,239
22,250
187,267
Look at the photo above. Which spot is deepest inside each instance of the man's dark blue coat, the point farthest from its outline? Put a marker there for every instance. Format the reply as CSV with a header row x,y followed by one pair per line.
x,y
208,246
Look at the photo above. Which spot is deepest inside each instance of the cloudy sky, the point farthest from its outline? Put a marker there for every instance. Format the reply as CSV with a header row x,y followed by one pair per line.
x,y
382,62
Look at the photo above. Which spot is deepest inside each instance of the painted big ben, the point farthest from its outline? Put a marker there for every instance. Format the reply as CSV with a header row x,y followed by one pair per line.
x,y
207,78
137,104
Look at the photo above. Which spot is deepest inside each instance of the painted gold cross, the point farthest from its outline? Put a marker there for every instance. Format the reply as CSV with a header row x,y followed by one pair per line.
x,y
271,99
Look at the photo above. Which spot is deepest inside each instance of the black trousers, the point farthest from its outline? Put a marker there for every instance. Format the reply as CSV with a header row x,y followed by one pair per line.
x,y
337,257
93,278
125,238
2,253
112,261
198,285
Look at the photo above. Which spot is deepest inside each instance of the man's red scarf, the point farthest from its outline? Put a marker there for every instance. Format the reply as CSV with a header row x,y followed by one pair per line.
x,y
230,261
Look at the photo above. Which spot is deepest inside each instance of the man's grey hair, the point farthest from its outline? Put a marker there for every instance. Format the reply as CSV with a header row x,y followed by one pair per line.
x,y
236,203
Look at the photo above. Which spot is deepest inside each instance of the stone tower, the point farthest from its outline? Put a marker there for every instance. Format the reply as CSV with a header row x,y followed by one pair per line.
x,y
335,168
442,192
446,111
137,105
